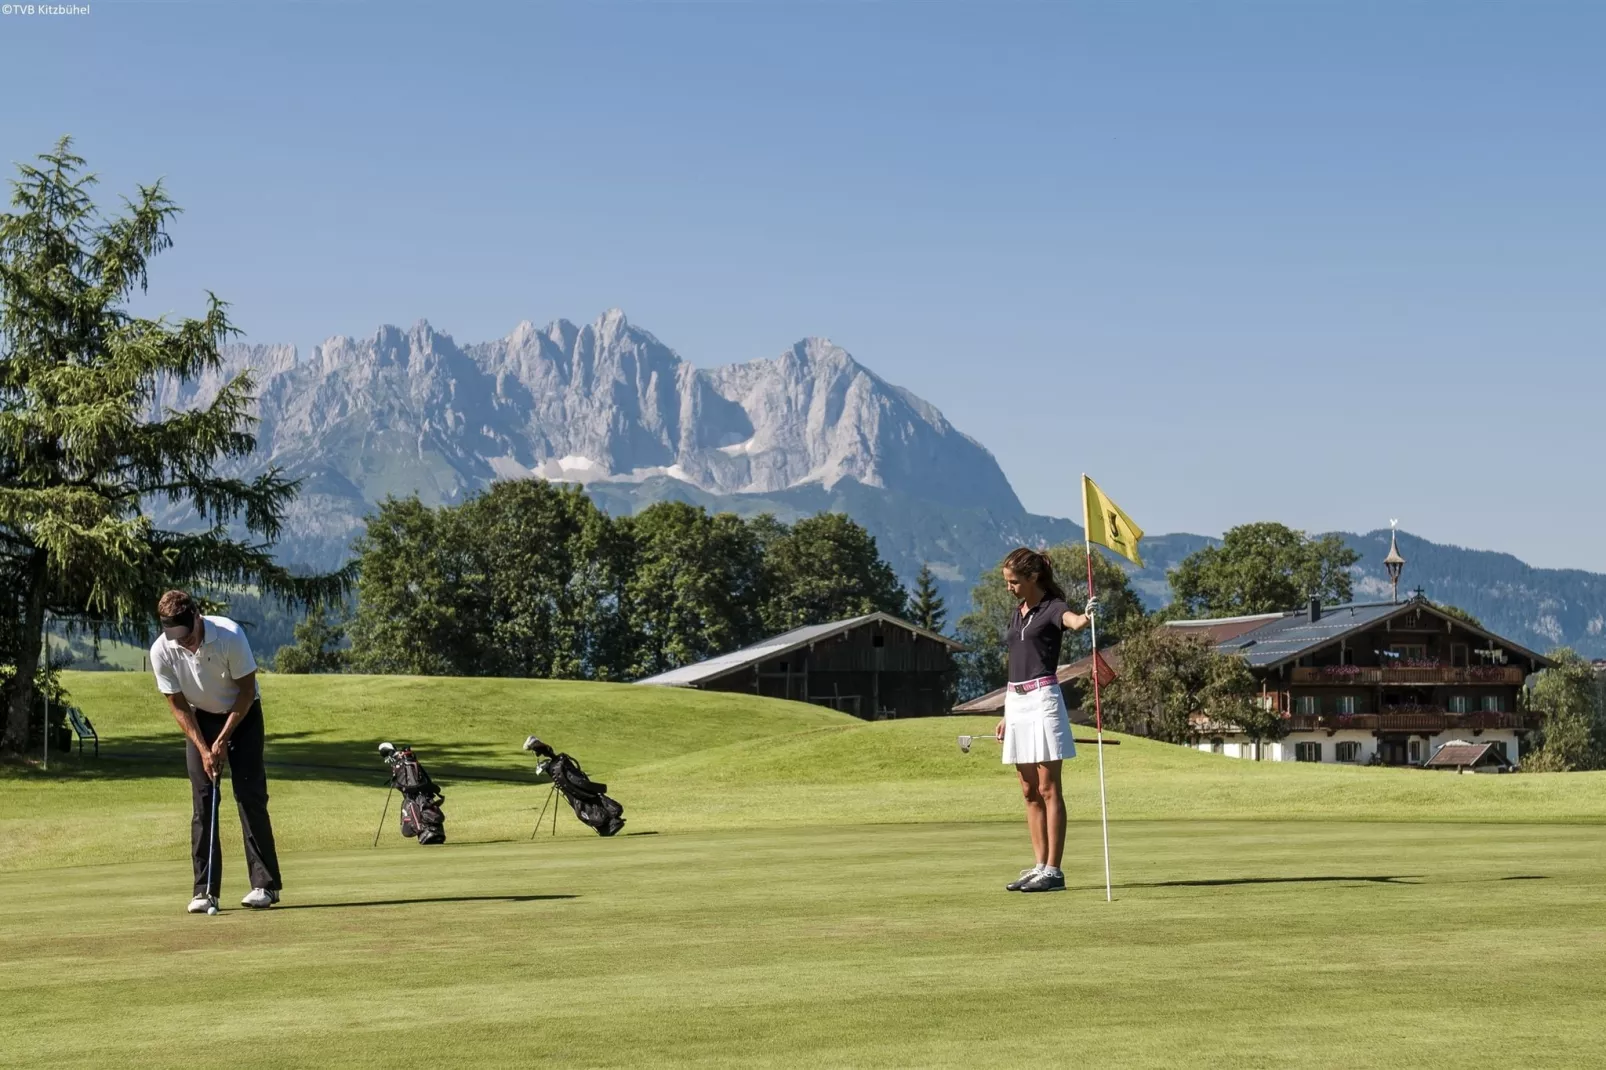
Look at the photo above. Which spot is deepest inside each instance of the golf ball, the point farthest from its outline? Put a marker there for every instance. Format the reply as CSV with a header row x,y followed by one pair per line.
x,y
211,910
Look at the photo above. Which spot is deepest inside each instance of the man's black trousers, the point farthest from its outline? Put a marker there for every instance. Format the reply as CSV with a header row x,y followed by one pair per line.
x,y
250,782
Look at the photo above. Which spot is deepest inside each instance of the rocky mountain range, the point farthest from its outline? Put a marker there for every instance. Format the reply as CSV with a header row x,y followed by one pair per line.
x,y
610,406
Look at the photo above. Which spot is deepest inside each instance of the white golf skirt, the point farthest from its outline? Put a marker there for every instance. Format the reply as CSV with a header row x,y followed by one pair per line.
x,y
1037,727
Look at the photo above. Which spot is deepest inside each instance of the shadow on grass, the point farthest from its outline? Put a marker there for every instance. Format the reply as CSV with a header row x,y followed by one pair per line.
x,y
427,899
298,756
1412,878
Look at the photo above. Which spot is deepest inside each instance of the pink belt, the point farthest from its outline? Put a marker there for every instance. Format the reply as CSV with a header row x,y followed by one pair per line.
x,y
1032,685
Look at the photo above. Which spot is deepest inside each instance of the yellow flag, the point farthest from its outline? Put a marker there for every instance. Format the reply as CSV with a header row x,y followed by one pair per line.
x,y
1107,524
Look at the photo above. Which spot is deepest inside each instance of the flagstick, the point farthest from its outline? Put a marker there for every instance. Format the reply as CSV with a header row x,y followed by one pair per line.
x,y
1098,708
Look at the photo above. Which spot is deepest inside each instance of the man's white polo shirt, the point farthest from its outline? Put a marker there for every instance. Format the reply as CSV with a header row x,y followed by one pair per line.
x,y
207,677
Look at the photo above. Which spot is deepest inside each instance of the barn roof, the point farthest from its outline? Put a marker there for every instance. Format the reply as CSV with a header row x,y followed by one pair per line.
x,y
1287,636
796,639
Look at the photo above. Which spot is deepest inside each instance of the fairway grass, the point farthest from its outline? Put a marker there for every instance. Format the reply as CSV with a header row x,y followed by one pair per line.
x,y
793,888
1238,944
680,761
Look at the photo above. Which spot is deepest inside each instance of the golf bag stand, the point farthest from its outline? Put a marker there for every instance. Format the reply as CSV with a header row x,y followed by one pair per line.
x,y
384,813
551,797
588,798
421,814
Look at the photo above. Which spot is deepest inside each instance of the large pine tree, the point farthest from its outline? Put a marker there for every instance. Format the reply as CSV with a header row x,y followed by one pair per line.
x,y
82,452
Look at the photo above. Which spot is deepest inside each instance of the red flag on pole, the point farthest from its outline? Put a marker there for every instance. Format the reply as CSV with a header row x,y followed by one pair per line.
x,y
1101,670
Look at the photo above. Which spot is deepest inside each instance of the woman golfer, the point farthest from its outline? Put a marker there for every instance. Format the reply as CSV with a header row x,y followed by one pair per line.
x,y
1036,729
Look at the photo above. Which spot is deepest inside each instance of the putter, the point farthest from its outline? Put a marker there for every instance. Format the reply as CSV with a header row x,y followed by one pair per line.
x,y
211,850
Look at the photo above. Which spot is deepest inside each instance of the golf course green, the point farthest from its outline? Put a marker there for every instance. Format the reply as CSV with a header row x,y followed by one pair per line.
x,y
792,888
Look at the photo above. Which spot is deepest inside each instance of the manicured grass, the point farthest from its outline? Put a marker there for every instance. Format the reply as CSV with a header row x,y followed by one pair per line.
x,y
680,761
811,891
1260,944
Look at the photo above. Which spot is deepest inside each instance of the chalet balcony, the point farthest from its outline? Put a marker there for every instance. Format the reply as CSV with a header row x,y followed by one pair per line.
x,y
1418,719
1356,675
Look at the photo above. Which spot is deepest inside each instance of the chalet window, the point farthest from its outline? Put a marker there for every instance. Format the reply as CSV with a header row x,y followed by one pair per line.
x,y
1415,751
1460,704
1217,745
1307,704
1346,704
1307,752
881,640
1500,749
1348,752
1348,657
1458,655
1409,652
1490,704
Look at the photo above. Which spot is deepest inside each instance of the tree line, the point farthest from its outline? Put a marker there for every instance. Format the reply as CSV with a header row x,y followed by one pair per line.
x,y
531,579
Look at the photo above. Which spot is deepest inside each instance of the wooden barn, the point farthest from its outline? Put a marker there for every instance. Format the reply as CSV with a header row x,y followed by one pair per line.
x,y
875,666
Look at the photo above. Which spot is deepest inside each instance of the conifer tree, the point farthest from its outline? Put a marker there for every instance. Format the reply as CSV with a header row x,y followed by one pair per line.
x,y
927,608
82,451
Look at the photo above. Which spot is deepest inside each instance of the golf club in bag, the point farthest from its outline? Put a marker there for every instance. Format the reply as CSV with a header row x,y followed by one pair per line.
x,y
588,798
421,814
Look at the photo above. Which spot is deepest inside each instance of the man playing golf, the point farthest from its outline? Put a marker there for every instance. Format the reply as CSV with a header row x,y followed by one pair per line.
x,y
205,668
1036,729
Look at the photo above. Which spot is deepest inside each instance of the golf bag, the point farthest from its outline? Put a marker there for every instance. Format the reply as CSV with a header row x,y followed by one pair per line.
x,y
421,814
588,798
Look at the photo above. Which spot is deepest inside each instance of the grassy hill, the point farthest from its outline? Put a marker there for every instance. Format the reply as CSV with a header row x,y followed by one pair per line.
x,y
680,761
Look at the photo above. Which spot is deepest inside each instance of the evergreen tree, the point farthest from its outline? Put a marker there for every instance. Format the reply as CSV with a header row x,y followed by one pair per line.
x,y
82,452
927,608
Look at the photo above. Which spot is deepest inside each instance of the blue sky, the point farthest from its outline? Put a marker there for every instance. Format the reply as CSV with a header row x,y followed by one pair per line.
x,y
1326,263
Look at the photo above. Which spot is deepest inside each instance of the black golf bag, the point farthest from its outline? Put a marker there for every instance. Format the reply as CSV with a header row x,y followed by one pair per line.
x,y
589,799
421,814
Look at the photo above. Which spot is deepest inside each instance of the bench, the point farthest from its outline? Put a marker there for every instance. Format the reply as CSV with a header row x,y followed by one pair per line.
x,y
85,729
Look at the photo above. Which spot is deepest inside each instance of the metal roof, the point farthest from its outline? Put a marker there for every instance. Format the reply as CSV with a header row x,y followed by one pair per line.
x,y
1289,635
775,646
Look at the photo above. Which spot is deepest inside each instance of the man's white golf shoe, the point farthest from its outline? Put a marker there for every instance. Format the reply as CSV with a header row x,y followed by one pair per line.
x,y
260,899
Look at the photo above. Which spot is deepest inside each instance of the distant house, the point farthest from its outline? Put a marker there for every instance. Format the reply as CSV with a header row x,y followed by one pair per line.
x,y
1462,756
874,666
1384,683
